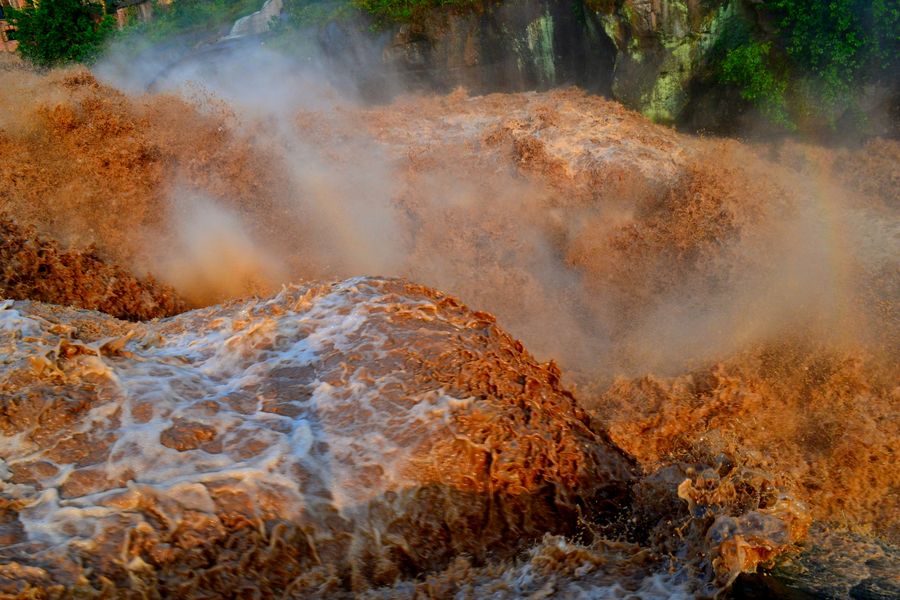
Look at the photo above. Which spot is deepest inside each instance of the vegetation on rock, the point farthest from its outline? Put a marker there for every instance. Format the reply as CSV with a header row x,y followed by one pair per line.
x,y
804,64
821,53
55,32
186,16
747,67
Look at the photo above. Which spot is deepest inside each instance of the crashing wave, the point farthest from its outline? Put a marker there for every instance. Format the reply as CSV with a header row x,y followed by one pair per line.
x,y
341,435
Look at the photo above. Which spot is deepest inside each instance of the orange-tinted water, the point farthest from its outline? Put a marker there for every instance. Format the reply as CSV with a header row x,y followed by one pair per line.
x,y
727,312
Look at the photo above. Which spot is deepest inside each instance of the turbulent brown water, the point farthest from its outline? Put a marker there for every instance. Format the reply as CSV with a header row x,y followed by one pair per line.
x,y
725,313
36,269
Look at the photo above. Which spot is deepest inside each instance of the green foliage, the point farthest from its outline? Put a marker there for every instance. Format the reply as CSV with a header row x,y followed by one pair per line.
x,y
404,11
61,31
884,42
748,67
838,41
191,16
817,59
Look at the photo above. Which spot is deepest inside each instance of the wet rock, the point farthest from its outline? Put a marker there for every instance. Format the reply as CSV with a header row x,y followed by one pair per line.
x,y
662,47
647,54
836,564
503,46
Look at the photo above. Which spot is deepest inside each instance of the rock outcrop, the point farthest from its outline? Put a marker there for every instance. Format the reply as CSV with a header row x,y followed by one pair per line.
x,y
504,46
645,53
661,47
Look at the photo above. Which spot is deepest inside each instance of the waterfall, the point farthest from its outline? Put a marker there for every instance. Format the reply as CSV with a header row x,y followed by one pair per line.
x,y
258,22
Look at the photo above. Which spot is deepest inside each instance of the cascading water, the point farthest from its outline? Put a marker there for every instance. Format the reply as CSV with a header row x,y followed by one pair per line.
x,y
258,22
725,314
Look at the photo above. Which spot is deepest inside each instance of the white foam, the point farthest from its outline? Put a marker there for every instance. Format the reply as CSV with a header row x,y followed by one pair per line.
x,y
212,368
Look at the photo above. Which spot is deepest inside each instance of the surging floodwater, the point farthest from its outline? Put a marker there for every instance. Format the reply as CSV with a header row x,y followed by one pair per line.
x,y
341,437
727,315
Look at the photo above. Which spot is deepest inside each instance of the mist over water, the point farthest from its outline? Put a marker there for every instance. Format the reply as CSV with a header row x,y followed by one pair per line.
x,y
706,297
730,249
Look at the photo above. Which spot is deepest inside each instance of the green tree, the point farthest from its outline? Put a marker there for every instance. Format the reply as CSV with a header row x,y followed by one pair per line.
x,y
55,32
748,67
839,41
815,63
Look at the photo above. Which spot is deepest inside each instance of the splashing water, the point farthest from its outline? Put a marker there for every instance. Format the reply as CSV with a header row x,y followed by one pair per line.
x,y
728,314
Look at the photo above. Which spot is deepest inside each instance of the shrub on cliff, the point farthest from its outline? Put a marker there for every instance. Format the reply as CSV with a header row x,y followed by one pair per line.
x,y
839,41
61,31
748,67
821,53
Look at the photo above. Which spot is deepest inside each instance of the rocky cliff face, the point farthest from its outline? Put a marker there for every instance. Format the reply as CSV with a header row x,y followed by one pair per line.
x,y
661,46
535,44
654,56
644,53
